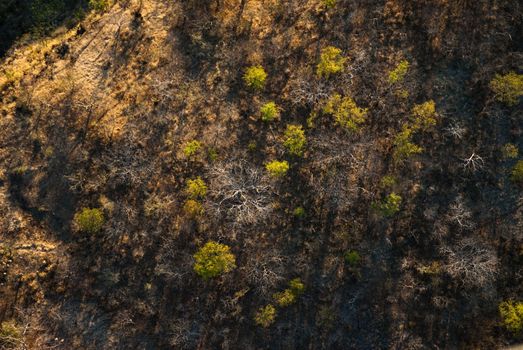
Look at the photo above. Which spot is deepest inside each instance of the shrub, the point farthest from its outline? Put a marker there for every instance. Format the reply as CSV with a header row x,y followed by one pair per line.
x,y
285,298
353,258
192,208
255,77
297,287
507,88
329,3
213,259
398,73
510,151
345,112
99,5
191,148
424,115
299,212
512,315
403,146
294,140
89,220
10,335
269,112
517,172
265,316
390,205
196,188
277,168
331,62
387,181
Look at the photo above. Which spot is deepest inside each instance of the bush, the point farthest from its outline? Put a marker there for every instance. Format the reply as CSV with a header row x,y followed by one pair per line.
x,y
285,298
517,172
345,112
299,212
89,220
213,259
99,5
390,205
269,112
10,335
387,181
509,150
331,62
507,88
403,146
294,140
424,115
265,316
277,168
196,188
398,74
511,313
192,208
329,3
255,77
353,258
191,148
297,287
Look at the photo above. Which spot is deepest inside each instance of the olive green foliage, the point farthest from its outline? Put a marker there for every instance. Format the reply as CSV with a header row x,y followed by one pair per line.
x,y
265,316
353,258
331,62
277,168
424,115
269,112
299,212
213,259
389,206
511,313
99,5
387,181
403,146
255,77
196,188
289,295
89,220
517,172
294,140
398,73
510,151
191,148
212,154
507,88
345,112
10,335
192,208
329,3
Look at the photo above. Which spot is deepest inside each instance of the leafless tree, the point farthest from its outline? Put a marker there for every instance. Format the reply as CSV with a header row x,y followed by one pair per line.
x,y
473,163
264,271
460,214
456,130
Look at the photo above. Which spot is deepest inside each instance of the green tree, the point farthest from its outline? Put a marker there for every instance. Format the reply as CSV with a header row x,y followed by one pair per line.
x,y
89,220
277,168
99,5
352,257
214,259
191,148
424,115
398,73
331,62
507,88
345,112
390,205
265,316
517,172
192,208
255,77
403,146
269,112
511,313
196,188
510,150
294,140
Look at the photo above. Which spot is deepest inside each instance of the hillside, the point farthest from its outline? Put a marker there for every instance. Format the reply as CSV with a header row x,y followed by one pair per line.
x,y
261,174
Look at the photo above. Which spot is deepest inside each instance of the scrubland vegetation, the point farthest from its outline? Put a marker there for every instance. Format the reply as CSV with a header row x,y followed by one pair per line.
x,y
240,174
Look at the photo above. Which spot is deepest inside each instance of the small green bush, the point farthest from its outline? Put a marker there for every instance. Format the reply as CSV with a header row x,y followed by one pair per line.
x,y
329,3
511,313
345,112
517,172
507,88
196,188
331,62
390,205
277,168
10,335
269,112
299,212
294,140
510,150
265,316
353,258
285,298
99,5
424,115
191,148
387,181
398,73
214,259
297,287
192,208
403,146
89,220
255,77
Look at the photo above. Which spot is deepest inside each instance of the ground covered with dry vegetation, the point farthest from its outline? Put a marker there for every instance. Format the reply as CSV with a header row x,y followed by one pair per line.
x,y
261,174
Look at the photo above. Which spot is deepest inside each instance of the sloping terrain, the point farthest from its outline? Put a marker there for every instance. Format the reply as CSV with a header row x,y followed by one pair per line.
x,y
412,250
